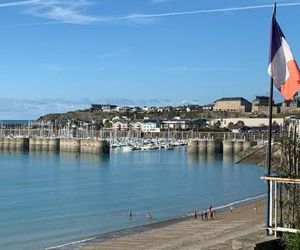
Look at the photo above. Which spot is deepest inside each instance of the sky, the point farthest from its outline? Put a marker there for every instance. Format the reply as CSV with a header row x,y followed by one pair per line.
x,y
61,55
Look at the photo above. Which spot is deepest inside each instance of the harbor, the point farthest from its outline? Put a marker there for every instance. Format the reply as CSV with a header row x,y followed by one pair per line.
x,y
149,125
99,146
65,139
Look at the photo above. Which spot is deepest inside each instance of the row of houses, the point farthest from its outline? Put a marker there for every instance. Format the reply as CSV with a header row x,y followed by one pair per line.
x,y
114,108
260,105
233,124
146,125
230,104
155,126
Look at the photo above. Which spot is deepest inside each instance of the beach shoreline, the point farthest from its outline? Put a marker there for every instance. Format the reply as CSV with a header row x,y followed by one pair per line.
x,y
156,225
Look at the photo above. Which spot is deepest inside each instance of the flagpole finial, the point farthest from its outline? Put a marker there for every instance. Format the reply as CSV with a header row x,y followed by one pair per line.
x,y
274,9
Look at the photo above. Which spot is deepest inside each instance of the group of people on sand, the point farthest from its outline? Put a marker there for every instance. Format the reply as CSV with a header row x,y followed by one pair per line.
x,y
208,214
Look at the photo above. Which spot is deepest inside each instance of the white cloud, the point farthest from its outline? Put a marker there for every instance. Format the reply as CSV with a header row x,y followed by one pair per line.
x,y
16,108
31,109
19,3
74,12
204,11
64,11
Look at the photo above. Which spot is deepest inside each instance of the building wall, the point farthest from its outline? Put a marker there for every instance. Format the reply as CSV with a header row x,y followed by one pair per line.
x,y
232,105
136,125
247,105
120,125
265,109
290,107
174,125
151,130
150,127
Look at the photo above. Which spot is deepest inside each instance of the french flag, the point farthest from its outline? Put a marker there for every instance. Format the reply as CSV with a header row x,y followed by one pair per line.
x,y
283,67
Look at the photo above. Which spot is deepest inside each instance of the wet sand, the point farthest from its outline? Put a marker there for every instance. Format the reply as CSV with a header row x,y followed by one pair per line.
x,y
243,222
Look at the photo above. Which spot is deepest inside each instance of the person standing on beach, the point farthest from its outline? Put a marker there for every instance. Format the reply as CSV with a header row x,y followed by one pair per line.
x,y
195,215
205,215
231,209
202,214
211,214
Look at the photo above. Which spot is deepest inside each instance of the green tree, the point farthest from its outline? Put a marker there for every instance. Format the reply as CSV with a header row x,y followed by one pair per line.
x,y
217,125
230,125
107,124
241,123
291,241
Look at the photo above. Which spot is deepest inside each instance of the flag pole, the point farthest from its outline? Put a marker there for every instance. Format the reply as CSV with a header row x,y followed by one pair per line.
x,y
269,152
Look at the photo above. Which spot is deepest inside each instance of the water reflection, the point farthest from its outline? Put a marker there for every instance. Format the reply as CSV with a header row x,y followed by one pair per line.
x,y
13,150
237,157
211,158
85,157
202,158
94,158
43,153
34,153
193,158
227,159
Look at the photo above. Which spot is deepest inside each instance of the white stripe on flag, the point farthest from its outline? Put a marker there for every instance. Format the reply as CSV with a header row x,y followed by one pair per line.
x,y
278,67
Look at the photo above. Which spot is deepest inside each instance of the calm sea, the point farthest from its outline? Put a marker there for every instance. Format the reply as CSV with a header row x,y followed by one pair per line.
x,y
14,122
48,199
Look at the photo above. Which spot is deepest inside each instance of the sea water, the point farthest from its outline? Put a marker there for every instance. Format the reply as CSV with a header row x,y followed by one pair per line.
x,y
48,199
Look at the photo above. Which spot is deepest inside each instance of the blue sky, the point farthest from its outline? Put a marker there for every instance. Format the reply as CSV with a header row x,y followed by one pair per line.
x,y
58,55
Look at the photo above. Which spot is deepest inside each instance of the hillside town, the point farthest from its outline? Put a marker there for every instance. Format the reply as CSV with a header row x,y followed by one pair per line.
x,y
235,114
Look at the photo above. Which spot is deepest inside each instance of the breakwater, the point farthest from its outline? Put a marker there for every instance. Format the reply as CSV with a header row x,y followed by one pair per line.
x,y
54,144
219,146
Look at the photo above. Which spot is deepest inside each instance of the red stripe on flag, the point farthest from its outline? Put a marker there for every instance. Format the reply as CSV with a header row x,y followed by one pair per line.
x,y
291,86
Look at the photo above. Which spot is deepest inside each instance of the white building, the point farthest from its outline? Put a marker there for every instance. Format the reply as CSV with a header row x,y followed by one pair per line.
x,y
176,124
150,126
120,125
137,125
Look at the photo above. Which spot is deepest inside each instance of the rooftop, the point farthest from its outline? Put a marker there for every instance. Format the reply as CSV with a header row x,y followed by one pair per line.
x,y
232,99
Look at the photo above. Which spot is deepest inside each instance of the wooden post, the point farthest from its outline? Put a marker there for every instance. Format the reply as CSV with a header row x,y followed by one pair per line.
x,y
275,212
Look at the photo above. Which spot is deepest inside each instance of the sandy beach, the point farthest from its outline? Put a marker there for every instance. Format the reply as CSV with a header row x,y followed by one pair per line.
x,y
244,222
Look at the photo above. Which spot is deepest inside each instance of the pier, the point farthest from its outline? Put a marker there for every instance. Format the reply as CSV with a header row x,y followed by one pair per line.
x,y
94,146
67,139
99,146
219,146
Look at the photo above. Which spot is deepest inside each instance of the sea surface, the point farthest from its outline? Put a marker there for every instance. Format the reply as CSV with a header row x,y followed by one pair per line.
x,y
14,122
48,199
